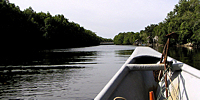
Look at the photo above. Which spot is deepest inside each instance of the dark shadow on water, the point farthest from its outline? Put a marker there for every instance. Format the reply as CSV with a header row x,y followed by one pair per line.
x,y
13,65
45,57
185,55
10,77
37,82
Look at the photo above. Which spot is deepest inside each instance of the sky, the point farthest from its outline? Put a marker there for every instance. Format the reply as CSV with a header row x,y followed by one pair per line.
x,y
106,18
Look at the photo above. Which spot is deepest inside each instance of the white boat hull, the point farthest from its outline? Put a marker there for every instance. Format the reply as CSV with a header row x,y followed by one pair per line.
x,y
132,83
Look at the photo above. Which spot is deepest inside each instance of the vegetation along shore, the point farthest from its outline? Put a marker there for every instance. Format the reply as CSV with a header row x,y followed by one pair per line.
x,y
184,20
30,30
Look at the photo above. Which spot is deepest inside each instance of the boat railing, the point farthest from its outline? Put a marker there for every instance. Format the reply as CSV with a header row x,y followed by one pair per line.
x,y
150,67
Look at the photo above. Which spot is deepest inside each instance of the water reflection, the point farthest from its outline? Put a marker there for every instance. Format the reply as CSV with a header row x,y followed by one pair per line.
x,y
40,78
186,55
124,52
44,84
100,64
47,57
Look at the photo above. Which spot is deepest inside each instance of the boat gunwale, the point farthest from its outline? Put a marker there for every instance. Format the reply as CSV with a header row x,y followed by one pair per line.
x,y
124,70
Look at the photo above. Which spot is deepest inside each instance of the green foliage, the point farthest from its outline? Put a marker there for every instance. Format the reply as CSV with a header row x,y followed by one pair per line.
x,y
30,30
124,38
118,39
105,39
128,38
184,20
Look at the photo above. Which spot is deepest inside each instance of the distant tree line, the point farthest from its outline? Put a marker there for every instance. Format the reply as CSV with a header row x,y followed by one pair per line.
x,y
183,20
30,30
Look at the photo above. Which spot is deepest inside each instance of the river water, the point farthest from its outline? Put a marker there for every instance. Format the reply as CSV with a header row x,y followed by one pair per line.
x,y
100,64
91,68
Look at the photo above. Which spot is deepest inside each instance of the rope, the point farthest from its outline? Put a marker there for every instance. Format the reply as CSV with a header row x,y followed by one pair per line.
x,y
161,93
163,88
173,89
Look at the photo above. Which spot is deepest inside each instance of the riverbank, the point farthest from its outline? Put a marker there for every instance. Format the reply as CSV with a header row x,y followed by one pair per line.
x,y
188,45
33,30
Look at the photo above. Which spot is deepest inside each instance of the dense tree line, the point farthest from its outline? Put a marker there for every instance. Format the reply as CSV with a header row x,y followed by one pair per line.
x,y
124,38
183,20
30,30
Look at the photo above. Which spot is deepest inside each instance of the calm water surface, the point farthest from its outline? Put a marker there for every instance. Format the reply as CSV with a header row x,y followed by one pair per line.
x,y
189,55
100,64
